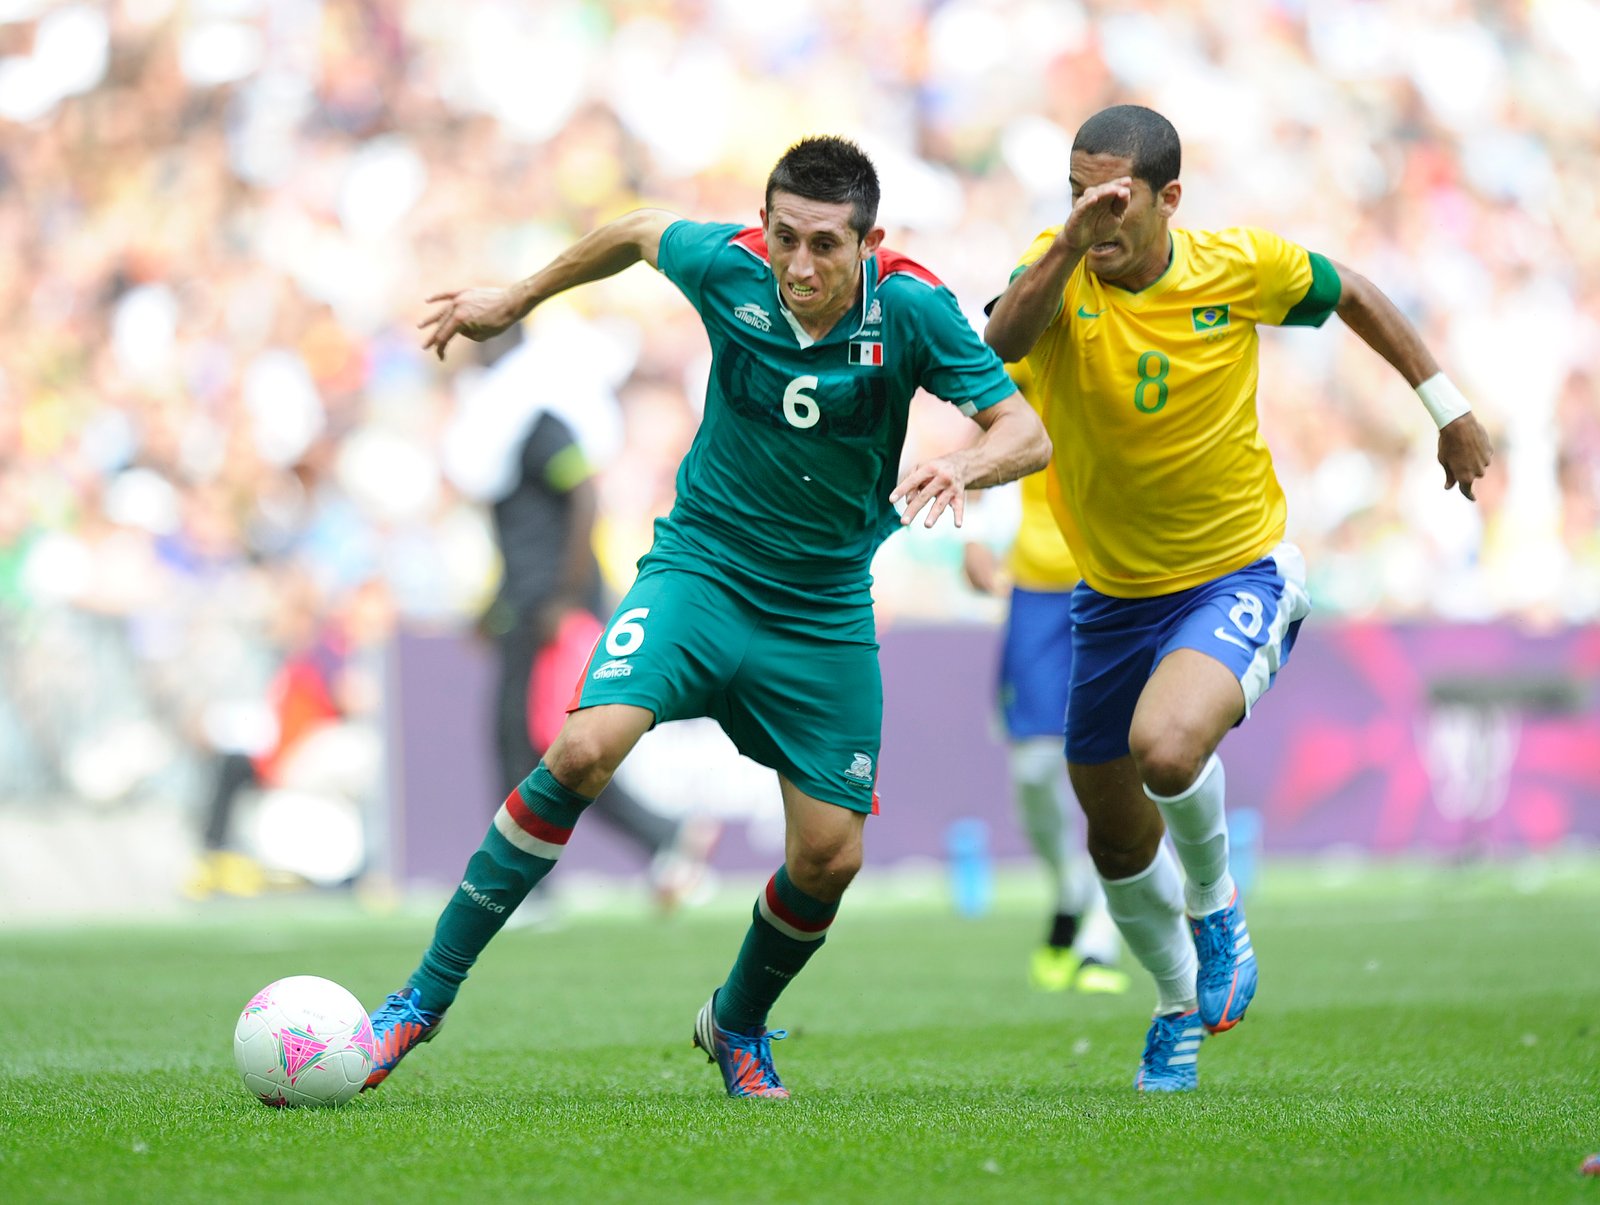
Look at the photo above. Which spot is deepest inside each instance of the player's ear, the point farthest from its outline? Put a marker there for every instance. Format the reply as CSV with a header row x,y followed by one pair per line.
x,y
763,217
1167,199
870,243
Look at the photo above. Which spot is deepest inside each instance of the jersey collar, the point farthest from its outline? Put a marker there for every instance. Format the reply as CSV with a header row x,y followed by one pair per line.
x,y
1160,283
753,239
837,332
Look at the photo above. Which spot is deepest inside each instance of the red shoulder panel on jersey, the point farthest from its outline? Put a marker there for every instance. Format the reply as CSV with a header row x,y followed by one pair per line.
x,y
754,240
890,262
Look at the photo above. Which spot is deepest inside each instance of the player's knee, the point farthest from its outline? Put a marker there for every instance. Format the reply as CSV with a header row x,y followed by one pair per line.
x,y
1121,854
1168,760
824,865
580,760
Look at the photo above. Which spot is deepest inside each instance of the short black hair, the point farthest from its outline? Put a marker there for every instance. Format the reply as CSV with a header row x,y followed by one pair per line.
x,y
1140,135
829,169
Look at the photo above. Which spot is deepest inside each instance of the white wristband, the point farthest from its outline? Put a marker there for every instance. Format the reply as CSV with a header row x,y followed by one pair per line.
x,y
1443,400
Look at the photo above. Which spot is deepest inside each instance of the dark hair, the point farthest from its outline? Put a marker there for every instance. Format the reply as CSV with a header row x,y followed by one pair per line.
x,y
1142,136
833,170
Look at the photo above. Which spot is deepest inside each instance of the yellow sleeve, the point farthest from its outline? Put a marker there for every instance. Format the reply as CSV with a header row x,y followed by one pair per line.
x,y
1283,275
1036,249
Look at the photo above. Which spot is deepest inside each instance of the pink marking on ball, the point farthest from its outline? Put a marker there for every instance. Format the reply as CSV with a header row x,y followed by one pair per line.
x,y
260,1000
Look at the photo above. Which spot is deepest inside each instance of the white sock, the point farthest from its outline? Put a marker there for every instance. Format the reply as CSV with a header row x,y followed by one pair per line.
x,y
1148,909
1097,932
1199,832
1049,814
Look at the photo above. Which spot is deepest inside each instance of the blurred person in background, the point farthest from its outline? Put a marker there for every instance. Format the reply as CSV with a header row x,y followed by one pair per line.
x,y
514,451
1141,338
312,755
754,604
1036,577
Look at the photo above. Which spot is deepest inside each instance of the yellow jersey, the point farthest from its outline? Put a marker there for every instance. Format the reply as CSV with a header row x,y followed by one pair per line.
x,y
1160,479
1039,558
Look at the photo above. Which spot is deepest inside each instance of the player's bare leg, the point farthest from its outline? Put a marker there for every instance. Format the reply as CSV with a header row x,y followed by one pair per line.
x,y
1189,704
1143,892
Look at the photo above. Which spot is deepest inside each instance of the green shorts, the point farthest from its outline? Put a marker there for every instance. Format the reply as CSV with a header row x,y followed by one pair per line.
x,y
791,676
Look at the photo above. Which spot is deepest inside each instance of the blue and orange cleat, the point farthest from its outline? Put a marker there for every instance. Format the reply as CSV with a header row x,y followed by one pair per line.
x,y
745,1059
1170,1062
1227,977
399,1025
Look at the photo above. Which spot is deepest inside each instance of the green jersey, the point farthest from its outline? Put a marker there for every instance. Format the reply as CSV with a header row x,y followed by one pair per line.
x,y
799,447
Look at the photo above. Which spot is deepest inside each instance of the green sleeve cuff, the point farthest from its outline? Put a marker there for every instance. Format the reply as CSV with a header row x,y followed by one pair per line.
x,y
1018,271
1321,299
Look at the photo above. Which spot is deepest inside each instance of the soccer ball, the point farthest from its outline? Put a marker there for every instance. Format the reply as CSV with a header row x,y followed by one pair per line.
x,y
303,1041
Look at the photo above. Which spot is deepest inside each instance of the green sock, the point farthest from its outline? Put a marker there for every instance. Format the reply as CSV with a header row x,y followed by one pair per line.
x,y
786,929
522,845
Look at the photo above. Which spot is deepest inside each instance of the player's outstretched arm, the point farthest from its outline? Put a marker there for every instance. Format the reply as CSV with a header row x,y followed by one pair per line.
x,y
1464,448
1013,444
480,314
1031,302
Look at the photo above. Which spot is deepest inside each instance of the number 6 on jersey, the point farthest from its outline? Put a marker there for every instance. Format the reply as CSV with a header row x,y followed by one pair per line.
x,y
799,407
627,634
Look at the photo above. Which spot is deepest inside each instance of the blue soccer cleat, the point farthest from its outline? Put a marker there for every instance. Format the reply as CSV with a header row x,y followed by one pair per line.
x,y
745,1059
1227,977
399,1024
1171,1053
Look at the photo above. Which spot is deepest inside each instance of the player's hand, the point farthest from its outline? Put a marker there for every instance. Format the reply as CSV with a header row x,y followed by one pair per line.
x,y
937,484
478,314
1465,453
1097,215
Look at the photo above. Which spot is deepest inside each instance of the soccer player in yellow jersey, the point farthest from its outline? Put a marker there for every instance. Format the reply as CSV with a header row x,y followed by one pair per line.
x,y
1036,577
1142,341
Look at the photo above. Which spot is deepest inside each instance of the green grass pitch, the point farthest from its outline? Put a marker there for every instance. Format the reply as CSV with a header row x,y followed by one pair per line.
x,y
1419,1036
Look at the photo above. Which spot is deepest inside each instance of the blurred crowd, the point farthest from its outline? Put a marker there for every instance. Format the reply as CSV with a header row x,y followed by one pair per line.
x,y
220,444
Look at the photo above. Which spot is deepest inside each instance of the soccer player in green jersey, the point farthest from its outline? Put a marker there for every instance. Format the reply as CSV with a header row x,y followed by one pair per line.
x,y
754,603
1142,342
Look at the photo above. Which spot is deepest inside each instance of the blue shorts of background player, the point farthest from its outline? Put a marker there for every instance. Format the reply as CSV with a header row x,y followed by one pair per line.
x,y
1247,620
1036,663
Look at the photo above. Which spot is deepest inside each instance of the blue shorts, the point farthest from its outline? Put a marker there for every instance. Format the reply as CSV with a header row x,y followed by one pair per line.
x,y
1247,620
1036,663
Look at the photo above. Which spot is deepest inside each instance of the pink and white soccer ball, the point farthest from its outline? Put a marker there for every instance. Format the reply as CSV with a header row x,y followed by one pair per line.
x,y
303,1041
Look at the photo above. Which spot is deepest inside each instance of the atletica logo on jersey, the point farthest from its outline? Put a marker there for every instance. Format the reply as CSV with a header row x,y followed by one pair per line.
x,y
864,351
612,669
753,315
860,769
1209,317
874,313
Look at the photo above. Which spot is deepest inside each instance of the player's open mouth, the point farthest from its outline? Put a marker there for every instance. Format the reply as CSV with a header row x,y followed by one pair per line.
x,y
801,292
1103,248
